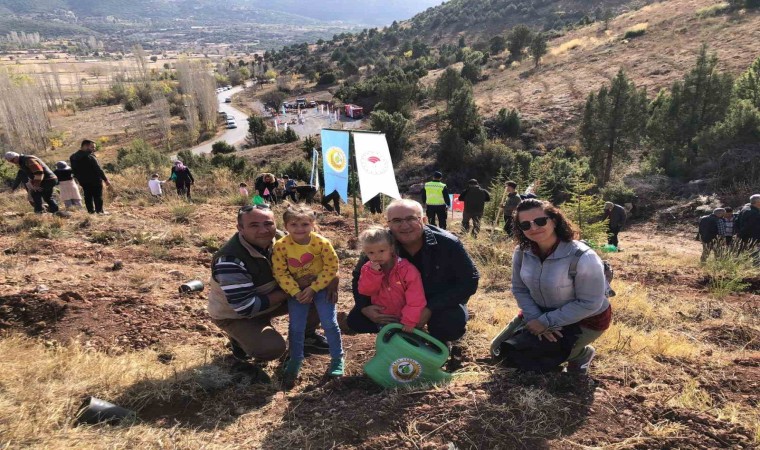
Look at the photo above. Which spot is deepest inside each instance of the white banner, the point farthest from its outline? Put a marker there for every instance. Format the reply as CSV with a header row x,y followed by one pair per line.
x,y
374,166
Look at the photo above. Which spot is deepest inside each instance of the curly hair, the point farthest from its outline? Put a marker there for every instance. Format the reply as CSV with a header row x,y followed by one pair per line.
x,y
562,226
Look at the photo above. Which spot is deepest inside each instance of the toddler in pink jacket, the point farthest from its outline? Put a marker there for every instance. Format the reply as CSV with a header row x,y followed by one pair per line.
x,y
391,282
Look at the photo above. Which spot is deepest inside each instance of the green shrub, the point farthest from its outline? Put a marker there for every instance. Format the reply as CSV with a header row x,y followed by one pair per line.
x,y
139,154
713,10
222,147
327,78
618,193
635,31
182,212
728,270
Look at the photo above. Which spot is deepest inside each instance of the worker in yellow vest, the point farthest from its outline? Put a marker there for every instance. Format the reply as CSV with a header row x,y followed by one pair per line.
x,y
436,198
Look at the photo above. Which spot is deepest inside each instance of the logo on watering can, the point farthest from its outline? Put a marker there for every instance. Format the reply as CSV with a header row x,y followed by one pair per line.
x,y
405,370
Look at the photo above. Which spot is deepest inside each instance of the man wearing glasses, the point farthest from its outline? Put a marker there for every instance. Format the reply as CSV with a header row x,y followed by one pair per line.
x,y
244,296
448,275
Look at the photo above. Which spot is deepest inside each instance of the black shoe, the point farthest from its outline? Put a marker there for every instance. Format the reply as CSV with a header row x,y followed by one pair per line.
x,y
237,351
316,343
253,371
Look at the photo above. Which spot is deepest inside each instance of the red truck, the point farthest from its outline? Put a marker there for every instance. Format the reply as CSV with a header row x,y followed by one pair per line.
x,y
353,111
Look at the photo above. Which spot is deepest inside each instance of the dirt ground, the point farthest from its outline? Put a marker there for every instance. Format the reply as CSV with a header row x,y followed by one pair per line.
x,y
102,285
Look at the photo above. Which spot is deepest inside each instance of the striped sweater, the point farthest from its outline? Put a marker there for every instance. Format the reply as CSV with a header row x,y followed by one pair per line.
x,y
237,283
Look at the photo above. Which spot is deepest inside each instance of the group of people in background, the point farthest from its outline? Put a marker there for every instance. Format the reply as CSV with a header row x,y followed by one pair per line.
x,y
437,200
717,230
40,181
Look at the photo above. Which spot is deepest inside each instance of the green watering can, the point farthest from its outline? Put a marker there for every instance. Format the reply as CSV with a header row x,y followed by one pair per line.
x,y
403,359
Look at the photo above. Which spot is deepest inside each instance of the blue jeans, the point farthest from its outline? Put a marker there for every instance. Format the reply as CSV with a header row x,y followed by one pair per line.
x,y
327,316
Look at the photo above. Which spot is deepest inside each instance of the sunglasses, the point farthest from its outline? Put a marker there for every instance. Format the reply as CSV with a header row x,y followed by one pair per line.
x,y
248,208
539,221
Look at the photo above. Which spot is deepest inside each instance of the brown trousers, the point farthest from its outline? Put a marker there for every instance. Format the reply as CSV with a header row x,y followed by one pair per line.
x,y
258,337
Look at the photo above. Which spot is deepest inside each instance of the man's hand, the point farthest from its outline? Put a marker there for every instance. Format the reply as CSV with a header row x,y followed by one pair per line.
x,y
305,281
305,296
332,291
536,327
375,314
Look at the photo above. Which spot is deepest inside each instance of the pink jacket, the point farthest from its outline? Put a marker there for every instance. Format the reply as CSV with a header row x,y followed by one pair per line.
x,y
400,291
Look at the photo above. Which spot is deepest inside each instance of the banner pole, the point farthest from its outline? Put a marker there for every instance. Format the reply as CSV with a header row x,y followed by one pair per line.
x,y
352,151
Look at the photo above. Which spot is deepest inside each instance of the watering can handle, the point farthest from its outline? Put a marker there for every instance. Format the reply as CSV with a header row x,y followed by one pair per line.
x,y
396,327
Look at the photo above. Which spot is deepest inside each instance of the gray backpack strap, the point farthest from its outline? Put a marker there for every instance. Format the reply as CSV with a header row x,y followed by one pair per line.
x,y
573,270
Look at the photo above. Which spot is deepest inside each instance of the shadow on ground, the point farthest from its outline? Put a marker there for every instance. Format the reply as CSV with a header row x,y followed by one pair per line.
x,y
203,397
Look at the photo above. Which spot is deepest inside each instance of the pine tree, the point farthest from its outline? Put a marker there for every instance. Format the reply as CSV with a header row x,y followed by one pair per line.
x,y
613,125
256,129
397,129
462,115
586,211
538,48
693,105
747,86
519,38
448,83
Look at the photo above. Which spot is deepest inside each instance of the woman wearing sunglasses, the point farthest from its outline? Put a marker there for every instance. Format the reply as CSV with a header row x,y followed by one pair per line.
x,y
557,282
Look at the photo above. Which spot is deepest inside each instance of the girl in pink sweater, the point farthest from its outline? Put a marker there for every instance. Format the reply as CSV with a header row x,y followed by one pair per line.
x,y
391,282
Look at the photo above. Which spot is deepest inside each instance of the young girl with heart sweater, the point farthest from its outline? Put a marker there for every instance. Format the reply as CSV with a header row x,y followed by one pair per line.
x,y
300,254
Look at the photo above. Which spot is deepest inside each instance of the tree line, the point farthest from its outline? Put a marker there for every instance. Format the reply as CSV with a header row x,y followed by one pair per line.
x,y
706,124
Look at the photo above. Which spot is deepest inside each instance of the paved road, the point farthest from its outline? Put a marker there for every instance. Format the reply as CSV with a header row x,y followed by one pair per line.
x,y
233,136
313,122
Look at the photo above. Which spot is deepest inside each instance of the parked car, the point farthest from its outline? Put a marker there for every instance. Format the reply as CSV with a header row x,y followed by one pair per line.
x,y
228,100
231,123
312,104
300,103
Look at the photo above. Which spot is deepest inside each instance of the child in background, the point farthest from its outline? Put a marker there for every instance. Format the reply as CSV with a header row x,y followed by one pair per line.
x,y
304,252
390,281
290,188
154,184
69,189
243,189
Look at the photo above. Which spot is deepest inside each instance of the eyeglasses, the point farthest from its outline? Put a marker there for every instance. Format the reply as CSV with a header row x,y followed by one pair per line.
x,y
408,220
539,221
249,208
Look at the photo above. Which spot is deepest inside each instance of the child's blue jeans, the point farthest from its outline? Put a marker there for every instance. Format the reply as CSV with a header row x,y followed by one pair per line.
x,y
327,316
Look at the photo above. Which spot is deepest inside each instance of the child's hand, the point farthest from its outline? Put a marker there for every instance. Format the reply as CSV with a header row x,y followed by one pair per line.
x,y
305,296
407,329
375,266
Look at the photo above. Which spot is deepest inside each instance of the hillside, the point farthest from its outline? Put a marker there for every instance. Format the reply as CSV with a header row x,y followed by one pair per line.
x,y
582,60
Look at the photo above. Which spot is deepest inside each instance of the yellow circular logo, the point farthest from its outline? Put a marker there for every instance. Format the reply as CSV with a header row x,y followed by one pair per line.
x,y
336,159
405,370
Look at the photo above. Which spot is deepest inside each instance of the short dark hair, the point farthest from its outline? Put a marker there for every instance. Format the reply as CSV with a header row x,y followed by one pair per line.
x,y
86,142
729,209
512,184
248,208
562,226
